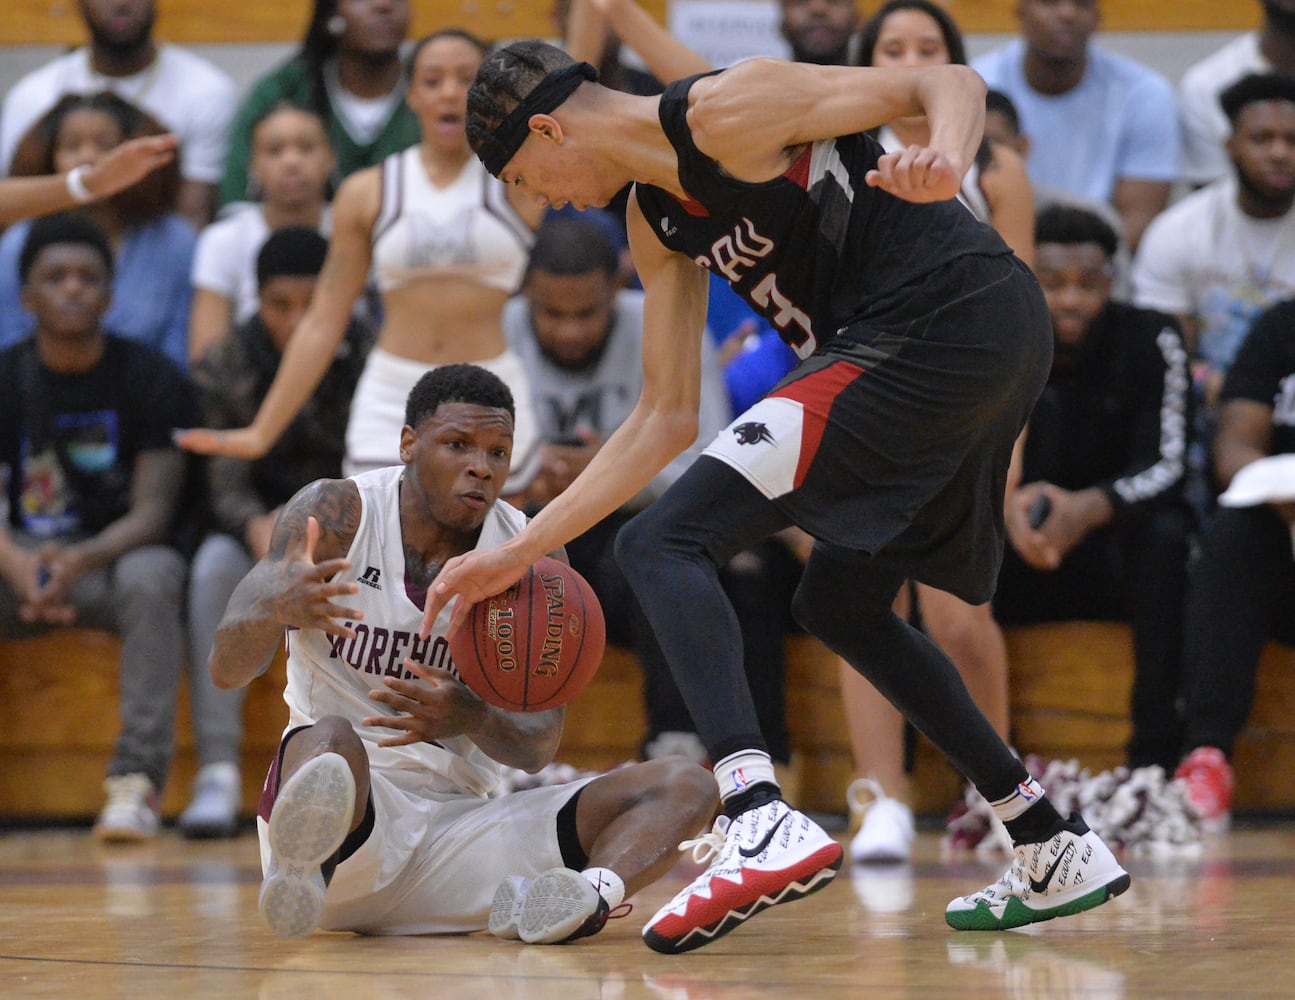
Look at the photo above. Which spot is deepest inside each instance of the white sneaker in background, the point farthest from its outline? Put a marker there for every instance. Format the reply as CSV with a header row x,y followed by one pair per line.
x,y
213,811
886,827
678,744
131,812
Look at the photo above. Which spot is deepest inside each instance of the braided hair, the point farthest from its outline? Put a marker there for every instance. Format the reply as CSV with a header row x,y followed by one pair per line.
x,y
503,81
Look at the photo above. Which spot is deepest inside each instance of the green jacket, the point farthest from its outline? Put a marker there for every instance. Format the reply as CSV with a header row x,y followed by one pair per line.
x,y
291,83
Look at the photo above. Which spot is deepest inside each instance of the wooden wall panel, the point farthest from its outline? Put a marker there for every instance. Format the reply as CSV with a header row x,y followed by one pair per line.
x,y
241,21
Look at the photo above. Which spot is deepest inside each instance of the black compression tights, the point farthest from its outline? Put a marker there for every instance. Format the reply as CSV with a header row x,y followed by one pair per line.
x,y
670,553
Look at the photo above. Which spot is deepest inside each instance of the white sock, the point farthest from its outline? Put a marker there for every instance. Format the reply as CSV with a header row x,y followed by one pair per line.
x,y
1026,794
739,771
608,883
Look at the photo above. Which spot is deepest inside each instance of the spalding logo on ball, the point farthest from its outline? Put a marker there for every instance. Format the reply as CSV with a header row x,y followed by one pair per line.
x,y
536,645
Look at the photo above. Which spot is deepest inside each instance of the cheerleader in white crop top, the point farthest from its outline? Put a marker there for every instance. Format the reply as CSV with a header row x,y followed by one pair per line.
x,y
447,243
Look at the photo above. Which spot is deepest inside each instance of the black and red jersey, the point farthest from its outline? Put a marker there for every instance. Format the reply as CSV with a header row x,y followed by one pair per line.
x,y
815,249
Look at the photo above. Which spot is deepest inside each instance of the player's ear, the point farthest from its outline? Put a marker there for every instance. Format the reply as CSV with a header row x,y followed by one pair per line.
x,y
408,437
546,127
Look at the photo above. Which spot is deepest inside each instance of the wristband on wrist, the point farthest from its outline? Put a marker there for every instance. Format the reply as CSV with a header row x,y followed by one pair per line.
x,y
76,185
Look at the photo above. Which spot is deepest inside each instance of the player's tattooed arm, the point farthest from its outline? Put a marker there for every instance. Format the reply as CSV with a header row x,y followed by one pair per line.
x,y
296,585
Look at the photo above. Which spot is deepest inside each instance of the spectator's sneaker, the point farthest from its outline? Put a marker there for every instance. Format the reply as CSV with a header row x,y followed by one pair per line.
x,y
886,826
767,855
131,812
311,817
677,744
1072,872
213,812
1207,780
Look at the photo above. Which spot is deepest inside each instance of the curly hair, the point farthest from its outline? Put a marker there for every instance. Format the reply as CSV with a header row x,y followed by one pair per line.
x,y
150,199
503,81
65,227
1069,225
457,383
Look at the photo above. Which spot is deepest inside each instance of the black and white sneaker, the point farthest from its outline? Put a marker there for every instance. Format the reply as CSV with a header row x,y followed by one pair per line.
x,y
1072,872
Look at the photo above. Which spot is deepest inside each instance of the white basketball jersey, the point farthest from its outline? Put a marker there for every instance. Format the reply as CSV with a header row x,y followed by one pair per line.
x,y
330,675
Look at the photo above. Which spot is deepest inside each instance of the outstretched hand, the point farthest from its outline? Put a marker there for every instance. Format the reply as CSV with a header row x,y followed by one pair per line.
x,y
472,577
917,174
130,163
305,590
243,443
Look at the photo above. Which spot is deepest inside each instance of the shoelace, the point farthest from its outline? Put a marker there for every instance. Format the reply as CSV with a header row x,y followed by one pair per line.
x,y
854,795
128,790
623,910
709,843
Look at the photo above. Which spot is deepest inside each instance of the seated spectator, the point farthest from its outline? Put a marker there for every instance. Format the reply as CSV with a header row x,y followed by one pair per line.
x,y
94,488
246,497
1223,253
125,166
1003,126
348,70
1101,126
1243,582
1205,128
290,167
819,31
1097,525
189,95
580,340
152,244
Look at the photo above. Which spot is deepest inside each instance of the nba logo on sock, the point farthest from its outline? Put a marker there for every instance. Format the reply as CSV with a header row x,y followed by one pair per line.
x,y
1025,791
739,779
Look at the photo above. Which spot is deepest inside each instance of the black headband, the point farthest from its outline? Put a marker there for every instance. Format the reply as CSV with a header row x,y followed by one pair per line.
x,y
547,95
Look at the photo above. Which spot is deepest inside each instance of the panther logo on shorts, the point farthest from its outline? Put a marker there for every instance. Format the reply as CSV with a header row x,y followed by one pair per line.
x,y
752,433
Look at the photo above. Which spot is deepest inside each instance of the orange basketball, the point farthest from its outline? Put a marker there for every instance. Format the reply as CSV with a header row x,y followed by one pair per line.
x,y
536,645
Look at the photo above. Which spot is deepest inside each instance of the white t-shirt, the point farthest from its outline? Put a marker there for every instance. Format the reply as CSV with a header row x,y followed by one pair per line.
x,y
184,92
1203,257
224,260
1119,123
1205,126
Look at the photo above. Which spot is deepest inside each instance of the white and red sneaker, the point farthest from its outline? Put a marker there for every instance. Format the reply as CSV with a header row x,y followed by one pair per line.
x,y
769,854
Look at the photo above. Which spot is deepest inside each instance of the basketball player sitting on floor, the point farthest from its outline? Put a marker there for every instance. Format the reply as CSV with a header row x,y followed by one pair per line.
x,y
375,816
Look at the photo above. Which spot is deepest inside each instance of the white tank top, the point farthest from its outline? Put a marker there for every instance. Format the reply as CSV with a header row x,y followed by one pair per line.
x,y
328,675
467,229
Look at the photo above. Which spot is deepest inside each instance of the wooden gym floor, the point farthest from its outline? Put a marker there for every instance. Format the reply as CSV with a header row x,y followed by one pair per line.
x,y
177,919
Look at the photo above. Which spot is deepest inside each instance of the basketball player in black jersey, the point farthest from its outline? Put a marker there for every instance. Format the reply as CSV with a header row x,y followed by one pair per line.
x,y
924,343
